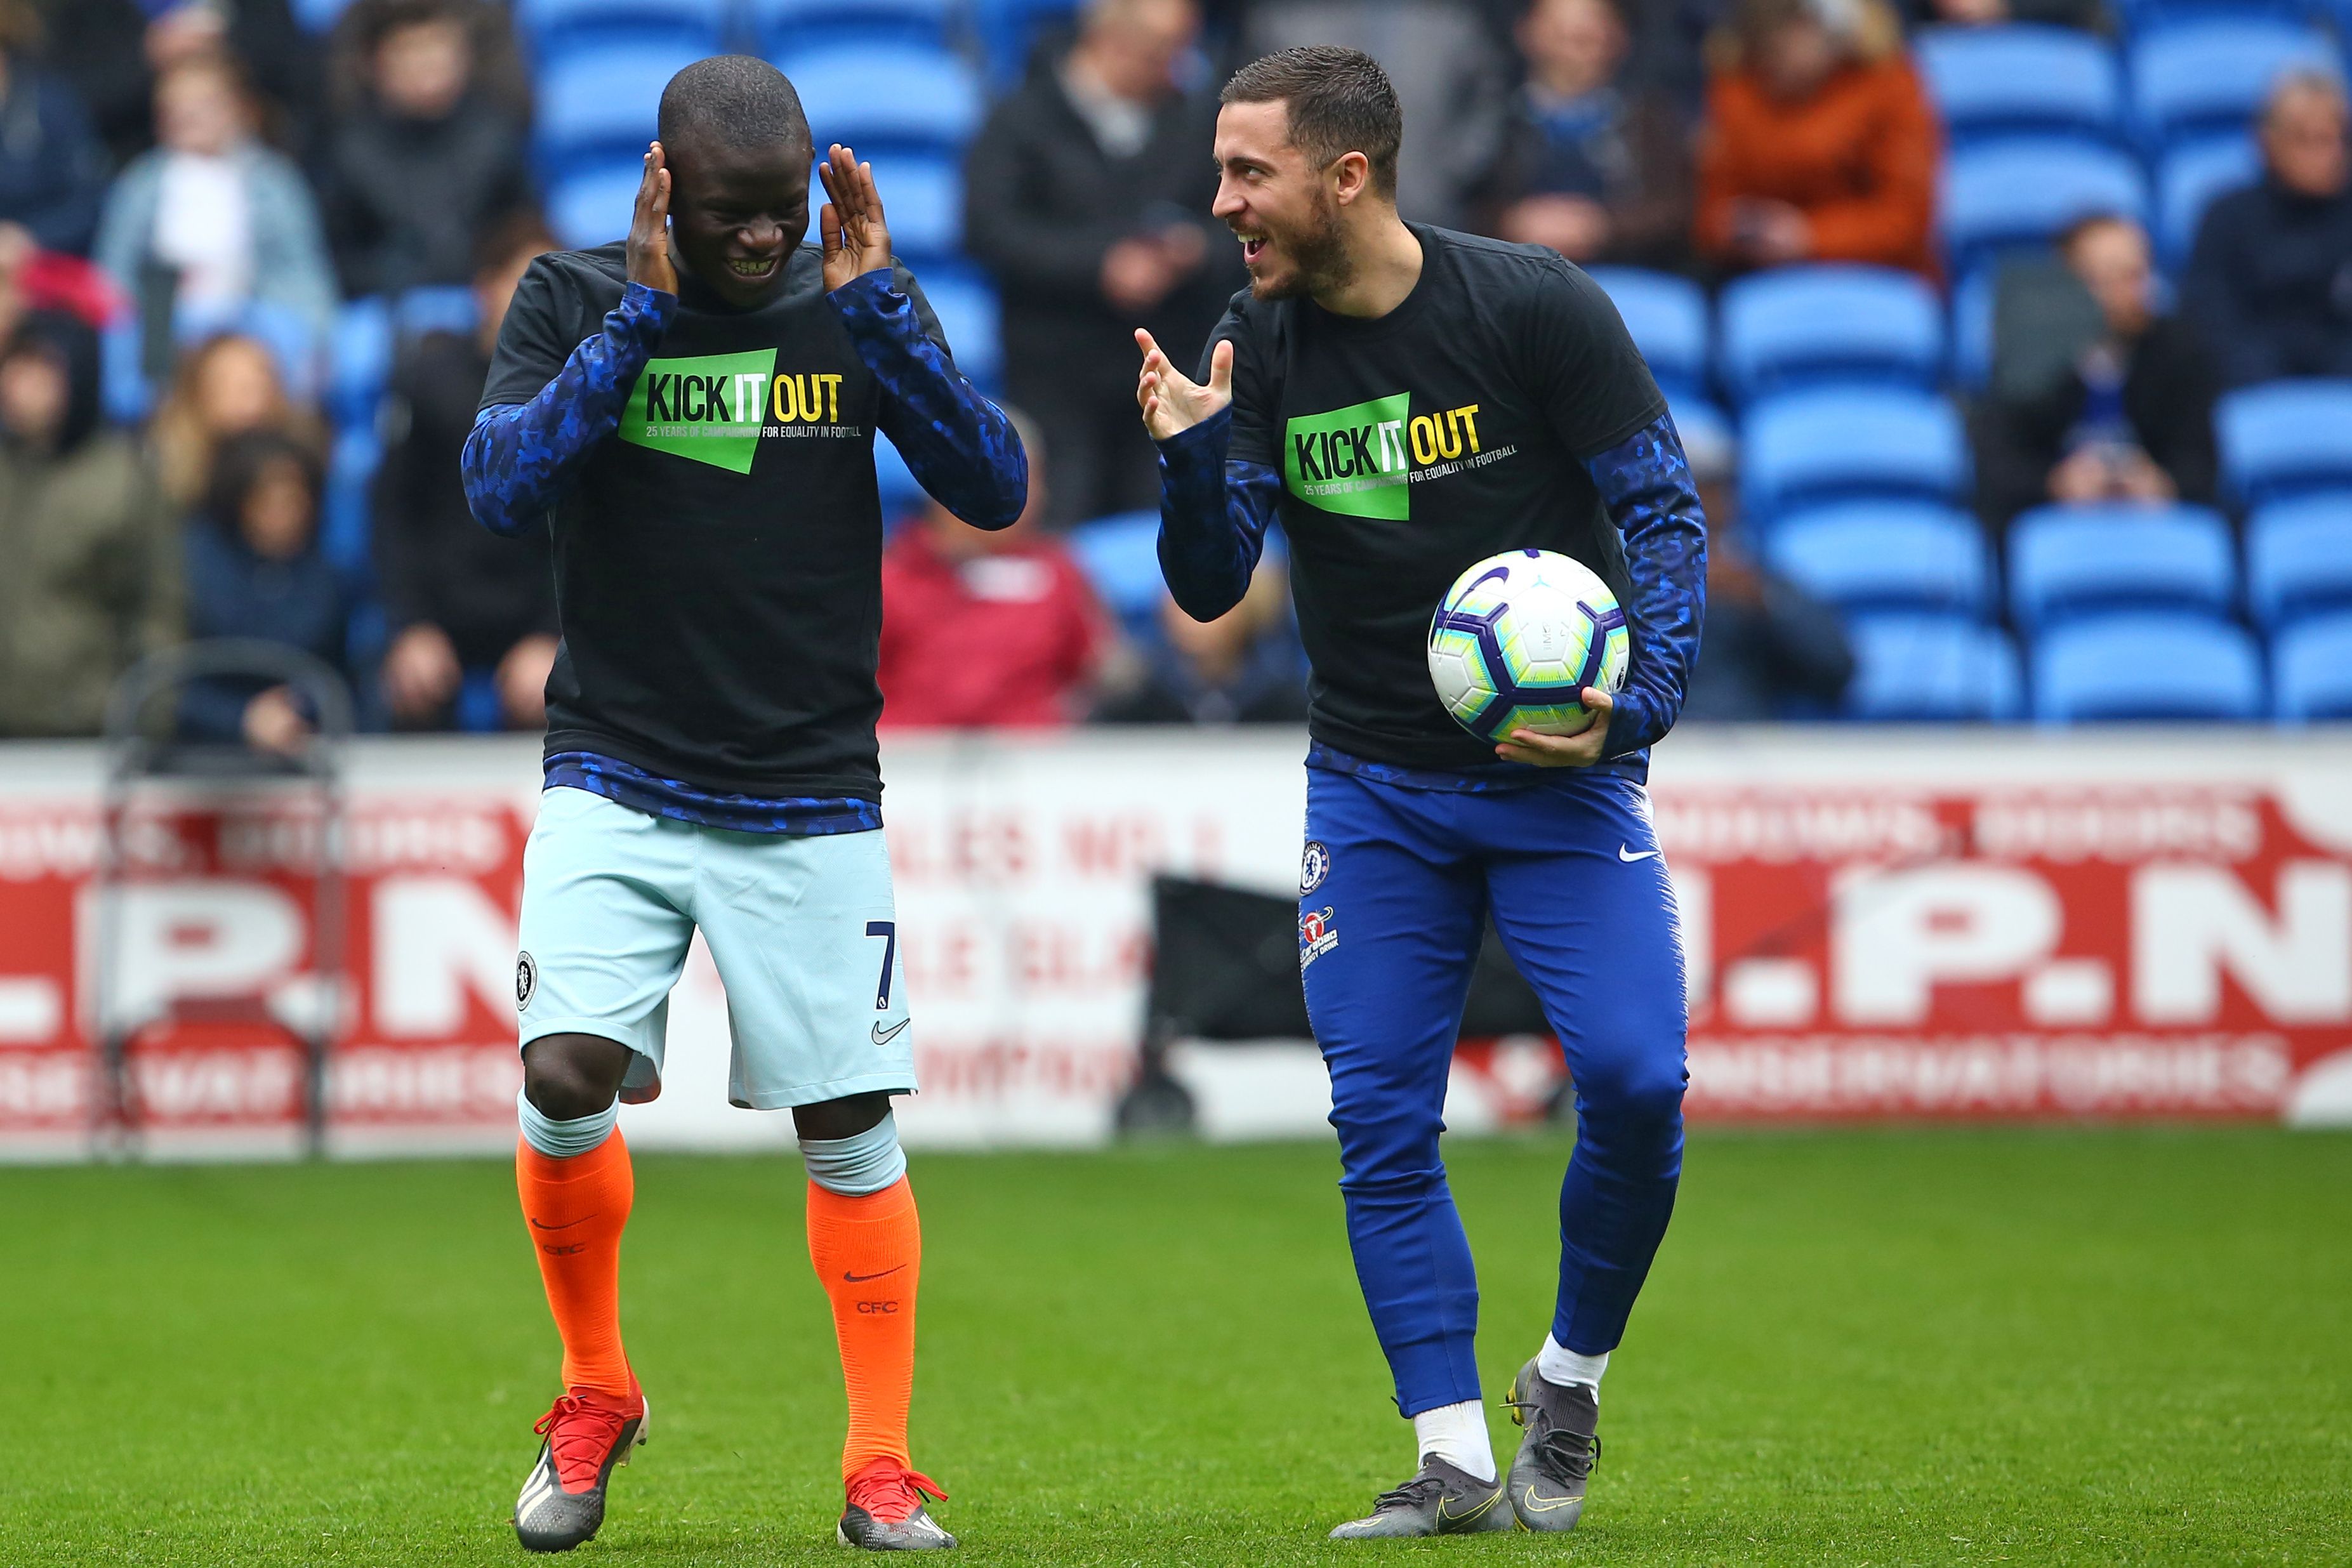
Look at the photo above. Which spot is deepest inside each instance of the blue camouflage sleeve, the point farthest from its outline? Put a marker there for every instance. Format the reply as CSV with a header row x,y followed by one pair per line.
x,y
1214,514
520,456
960,448
1648,488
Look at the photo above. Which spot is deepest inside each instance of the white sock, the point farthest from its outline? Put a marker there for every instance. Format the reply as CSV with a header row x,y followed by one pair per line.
x,y
1456,1433
1555,1363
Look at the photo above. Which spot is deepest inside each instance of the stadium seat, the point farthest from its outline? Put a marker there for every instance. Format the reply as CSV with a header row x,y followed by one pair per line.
x,y
551,29
966,306
2285,438
2312,669
1667,317
2147,665
2140,16
885,96
1846,442
590,207
923,195
1879,555
438,308
1803,325
319,15
1971,328
288,335
902,496
345,537
1009,29
785,27
2189,178
2012,80
1120,555
1932,668
2299,558
2211,75
1703,428
2023,190
598,107
361,357
2065,561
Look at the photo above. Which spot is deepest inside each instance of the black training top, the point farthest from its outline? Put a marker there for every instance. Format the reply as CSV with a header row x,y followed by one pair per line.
x,y
1411,445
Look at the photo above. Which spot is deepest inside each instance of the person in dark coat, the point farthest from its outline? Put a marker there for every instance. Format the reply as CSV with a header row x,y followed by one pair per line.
x,y
458,599
1087,196
1243,667
114,52
2129,417
2269,283
52,166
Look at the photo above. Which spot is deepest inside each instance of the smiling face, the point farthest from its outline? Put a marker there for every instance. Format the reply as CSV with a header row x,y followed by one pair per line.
x,y
1281,206
737,214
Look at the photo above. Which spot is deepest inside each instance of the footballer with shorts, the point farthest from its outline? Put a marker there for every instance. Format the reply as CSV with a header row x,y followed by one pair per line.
x,y
692,416
1406,401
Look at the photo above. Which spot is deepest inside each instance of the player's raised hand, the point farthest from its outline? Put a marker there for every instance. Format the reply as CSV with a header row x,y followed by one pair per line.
x,y
647,253
1170,400
1579,750
857,240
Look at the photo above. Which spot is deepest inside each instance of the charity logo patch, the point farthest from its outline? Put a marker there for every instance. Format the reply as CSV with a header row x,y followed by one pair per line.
x,y
1314,866
1363,460
1317,934
714,408
526,981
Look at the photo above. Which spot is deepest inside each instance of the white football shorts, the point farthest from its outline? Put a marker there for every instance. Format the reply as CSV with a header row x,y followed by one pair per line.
x,y
804,930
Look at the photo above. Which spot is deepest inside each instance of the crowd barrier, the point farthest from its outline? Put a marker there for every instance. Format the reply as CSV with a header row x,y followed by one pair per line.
x,y
1883,924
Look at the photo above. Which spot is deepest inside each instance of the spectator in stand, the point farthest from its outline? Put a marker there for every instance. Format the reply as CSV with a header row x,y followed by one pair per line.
x,y
988,631
113,52
2270,284
425,161
1451,77
1243,667
1596,170
225,386
1087,196
255,570
33,279
457,597
1820,144
92,577
52,169
1771,649
212,219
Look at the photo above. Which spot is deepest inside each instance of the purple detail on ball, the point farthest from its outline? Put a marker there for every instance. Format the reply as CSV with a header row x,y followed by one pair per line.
x,y
1509,694
1531,554
1502,571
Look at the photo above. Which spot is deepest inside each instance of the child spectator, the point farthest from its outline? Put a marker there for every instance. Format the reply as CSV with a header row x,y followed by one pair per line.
x,y
52,168
457,597
1243,667
1820,144
255,570
91,580
2270,285
425,161
2129,416
1597,170
225,386
212,219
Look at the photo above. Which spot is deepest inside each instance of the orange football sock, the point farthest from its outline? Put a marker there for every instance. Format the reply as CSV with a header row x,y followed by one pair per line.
x,y
576,1209
869,1251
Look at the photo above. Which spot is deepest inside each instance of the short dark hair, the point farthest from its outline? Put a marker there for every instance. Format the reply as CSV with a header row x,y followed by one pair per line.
x,y
733,101
1340,101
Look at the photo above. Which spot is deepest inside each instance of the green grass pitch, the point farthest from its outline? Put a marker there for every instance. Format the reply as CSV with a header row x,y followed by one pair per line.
x,y
1858,1348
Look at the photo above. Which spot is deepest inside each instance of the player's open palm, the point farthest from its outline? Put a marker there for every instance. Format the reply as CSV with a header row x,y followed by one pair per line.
x,y
647,252
1173,402
857,240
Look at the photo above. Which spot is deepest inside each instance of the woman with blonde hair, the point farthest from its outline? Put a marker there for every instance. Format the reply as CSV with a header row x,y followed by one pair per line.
x,y
225,386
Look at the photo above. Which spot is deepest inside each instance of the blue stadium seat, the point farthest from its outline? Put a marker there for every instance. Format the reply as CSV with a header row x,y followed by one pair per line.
x,y
319,15
2299,558
592,206
437,307
1972,306
922,195
344,532
966,306
1009,29
288,335
877,98
2204,77
2311,667
2188,179
551,29
2146,664
1668,320
902,497
1120,555
1932,667
1703,427
2065,561
1847,441
2140,16
360,360
1804,325
2012,80
2285,438
2023,190
599,106
785,27
1880,555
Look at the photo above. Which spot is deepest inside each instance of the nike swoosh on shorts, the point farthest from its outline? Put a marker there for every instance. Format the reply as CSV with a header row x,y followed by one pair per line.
x,y
881,1035
1625,852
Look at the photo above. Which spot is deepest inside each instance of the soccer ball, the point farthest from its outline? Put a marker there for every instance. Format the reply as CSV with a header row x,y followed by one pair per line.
x,y
1518,636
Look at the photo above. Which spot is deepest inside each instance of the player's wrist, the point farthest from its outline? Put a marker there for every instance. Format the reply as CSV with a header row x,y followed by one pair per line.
x,y
1214,432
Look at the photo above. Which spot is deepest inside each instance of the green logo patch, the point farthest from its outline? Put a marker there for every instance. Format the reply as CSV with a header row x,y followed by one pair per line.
x,y
711,409
1352,460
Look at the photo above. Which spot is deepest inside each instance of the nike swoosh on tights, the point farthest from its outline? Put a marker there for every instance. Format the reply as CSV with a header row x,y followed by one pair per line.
x,y
567,1224
861,1278
1625,852
885,1036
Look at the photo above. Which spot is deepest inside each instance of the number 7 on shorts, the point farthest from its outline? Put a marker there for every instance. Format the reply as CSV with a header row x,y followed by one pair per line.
x,y
889,931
